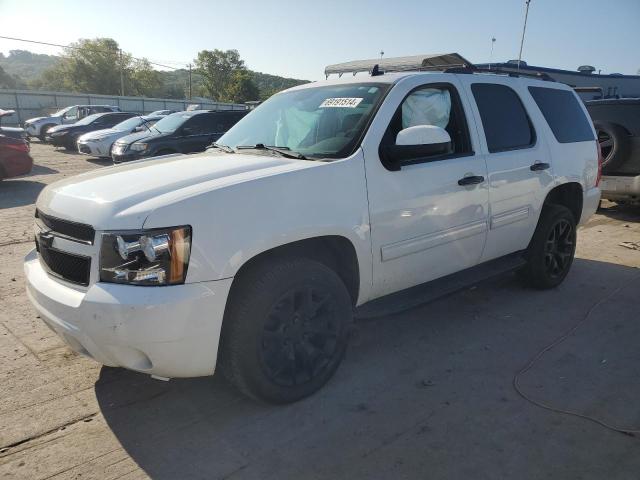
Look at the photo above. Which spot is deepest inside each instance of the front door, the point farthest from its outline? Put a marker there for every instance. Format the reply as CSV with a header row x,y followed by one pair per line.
x,y
427,219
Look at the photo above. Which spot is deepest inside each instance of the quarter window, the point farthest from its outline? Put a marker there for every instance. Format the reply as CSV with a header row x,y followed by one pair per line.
x,y
504,120
562,112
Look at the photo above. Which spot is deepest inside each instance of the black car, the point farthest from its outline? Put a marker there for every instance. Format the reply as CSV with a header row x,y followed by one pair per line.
x,y
617,123
67,135
181,132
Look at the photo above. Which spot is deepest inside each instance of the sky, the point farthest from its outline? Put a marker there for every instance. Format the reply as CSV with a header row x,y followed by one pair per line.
x,y
299,38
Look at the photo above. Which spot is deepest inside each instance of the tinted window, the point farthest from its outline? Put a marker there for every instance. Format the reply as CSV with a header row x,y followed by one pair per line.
x,y
563,114
201,124
504,119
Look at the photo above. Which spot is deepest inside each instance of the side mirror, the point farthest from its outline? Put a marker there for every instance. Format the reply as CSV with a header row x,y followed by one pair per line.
x,y
414,143
139,128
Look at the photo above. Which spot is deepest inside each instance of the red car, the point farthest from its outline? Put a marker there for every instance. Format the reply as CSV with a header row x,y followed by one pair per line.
x,y
14,157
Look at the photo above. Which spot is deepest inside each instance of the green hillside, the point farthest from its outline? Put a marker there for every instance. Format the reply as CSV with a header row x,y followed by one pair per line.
x,y
26,69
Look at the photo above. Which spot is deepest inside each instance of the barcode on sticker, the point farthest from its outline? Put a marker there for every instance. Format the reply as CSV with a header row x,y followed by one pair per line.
x,y
344,102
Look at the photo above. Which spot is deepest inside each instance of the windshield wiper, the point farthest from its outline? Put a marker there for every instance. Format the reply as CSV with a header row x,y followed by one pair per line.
x,y
224,148
282,151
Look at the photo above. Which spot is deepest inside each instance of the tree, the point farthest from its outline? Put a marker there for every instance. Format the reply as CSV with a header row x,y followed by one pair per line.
x,y
145,81
217,68
242,87
6,80
96,66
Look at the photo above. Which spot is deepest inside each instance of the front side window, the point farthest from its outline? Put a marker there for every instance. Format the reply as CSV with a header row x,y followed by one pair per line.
x,y
71,113
321,122
201,124
435,105
562,112
172,122
504,120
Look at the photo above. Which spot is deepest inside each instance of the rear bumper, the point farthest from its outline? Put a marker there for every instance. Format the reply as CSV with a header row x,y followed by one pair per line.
x,y
619,187
590,202
166,331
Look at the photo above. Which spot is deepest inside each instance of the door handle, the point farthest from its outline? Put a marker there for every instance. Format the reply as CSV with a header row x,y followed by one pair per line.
x,y
538,166
471,180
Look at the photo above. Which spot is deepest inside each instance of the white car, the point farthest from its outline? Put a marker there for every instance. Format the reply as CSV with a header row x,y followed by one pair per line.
x,y
329,195
99,142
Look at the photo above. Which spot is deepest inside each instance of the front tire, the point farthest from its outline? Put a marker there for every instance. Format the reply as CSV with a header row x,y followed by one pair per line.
x,y
552,248
285,330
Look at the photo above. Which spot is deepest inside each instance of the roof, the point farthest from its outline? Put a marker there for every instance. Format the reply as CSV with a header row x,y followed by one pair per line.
x,y
430,61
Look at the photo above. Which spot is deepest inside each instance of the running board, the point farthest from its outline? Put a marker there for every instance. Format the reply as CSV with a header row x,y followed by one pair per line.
x,y
430,291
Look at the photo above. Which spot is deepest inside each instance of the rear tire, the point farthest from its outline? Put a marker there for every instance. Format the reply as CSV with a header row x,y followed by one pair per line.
x,y
285,329
552,248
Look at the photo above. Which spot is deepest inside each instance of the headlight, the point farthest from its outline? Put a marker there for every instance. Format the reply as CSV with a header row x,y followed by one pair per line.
x,y
58,134
139,147
146,257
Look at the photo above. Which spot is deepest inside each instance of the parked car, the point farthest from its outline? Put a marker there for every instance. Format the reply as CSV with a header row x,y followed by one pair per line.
x,y
14,157
39,126
14,132
162,112
326,197
98,143
181,132
617,124
67,135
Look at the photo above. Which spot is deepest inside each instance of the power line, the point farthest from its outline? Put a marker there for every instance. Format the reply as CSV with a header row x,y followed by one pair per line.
x,y
79,48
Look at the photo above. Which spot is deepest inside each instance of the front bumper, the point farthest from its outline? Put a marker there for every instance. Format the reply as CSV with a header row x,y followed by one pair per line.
x,y
620,187
59,141
32,130
128,156
165,331
590,202
94,149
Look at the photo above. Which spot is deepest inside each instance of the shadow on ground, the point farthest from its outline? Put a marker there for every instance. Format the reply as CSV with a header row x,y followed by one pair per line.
x,y
424,393
19,192
630,213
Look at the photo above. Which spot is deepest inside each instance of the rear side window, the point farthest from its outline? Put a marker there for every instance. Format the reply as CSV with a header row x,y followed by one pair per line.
x,y
504,120
563,114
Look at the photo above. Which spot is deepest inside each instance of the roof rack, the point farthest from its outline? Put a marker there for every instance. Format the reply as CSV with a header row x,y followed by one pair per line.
x,y
472,69
378,66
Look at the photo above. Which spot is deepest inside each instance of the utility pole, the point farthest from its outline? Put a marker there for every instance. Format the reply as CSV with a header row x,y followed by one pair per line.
x,y
189,81
121,75
381,54
524,29
493,41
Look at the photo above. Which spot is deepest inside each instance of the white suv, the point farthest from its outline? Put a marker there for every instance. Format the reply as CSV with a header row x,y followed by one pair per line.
x,y
329,195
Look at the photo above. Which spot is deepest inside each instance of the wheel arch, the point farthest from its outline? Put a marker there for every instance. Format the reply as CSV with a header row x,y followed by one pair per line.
x,y
334,251
568,194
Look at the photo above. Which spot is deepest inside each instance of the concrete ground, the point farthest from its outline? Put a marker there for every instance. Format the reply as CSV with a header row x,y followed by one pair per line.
x,y
423,394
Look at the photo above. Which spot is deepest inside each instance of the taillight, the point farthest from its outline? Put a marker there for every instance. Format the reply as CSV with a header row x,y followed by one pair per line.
x,y
20,147
600,160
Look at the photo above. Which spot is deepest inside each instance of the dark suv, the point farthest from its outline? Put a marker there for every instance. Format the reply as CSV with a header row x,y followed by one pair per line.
x,y
181,132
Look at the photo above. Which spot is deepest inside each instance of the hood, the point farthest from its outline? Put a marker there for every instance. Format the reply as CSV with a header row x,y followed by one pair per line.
x,y
121,197
61,128
144,135
38,119
99,134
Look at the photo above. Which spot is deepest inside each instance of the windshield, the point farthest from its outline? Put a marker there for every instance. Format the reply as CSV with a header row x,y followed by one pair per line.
x,y
170,123
129,124
59,113
89,119
316,122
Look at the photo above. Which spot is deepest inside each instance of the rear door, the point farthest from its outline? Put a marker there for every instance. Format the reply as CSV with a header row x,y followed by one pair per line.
x,y
517,158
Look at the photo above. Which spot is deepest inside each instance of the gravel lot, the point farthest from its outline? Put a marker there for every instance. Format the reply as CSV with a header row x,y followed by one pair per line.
x,y
422,394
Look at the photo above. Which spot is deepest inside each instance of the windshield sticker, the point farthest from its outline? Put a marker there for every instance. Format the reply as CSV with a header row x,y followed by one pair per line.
x,y
343,102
